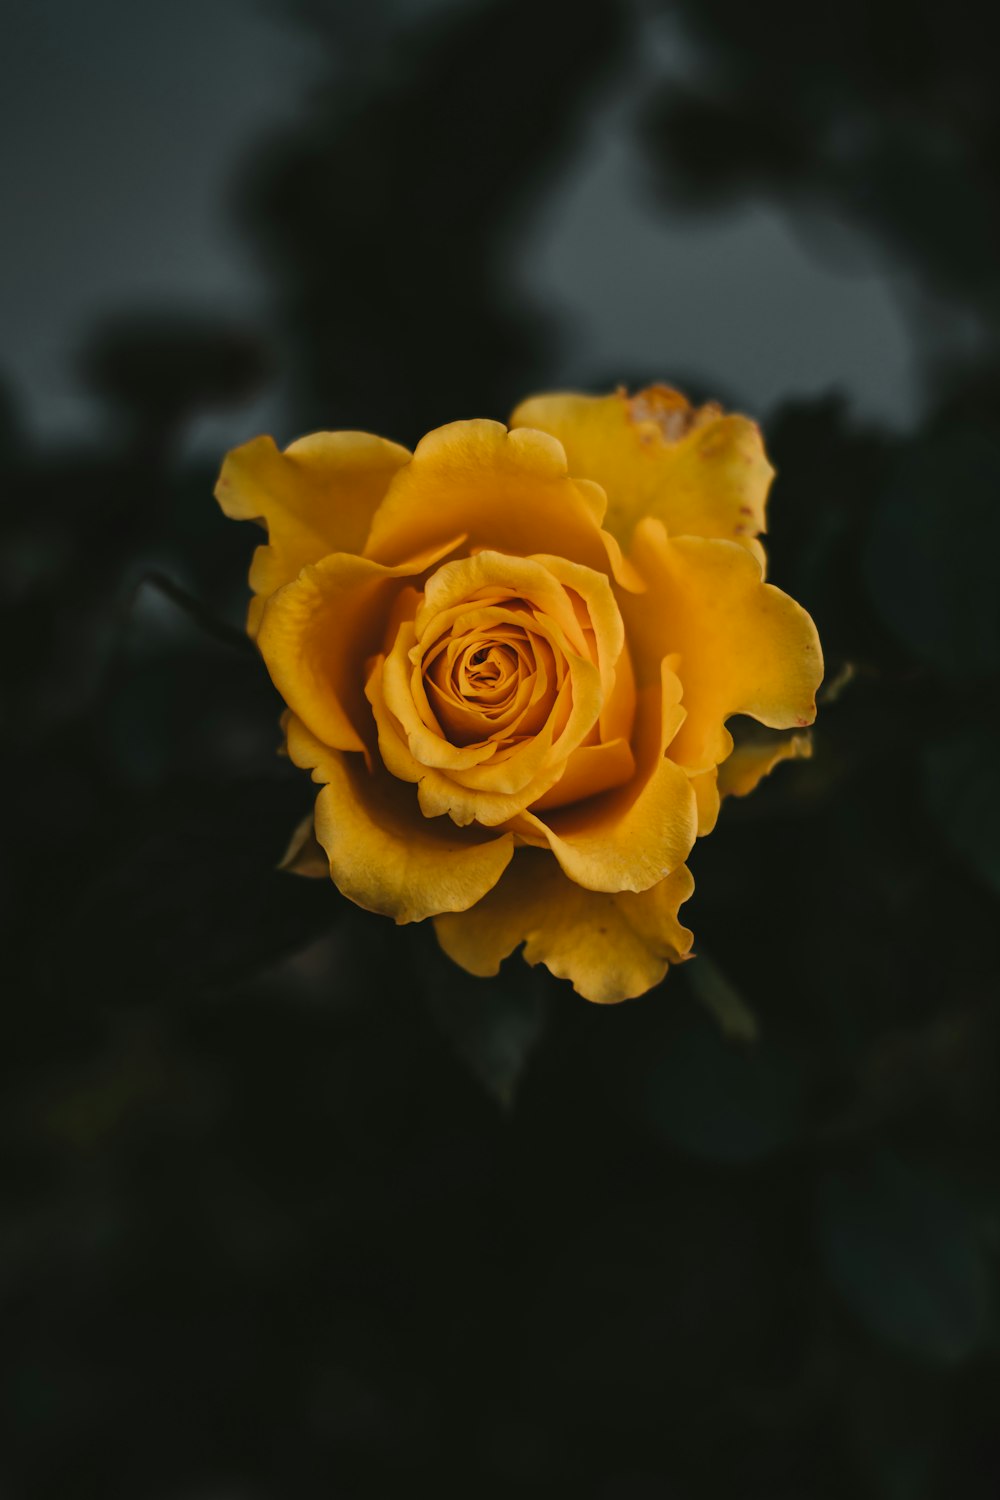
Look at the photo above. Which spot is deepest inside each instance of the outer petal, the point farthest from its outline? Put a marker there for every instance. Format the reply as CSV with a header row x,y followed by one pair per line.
x,y
383,854
750,763
317,497
630,843
612,946
508,491
629,839
745,647
698,471
318,631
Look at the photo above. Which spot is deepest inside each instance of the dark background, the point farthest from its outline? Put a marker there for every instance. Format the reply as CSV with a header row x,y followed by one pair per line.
x,y
291,1207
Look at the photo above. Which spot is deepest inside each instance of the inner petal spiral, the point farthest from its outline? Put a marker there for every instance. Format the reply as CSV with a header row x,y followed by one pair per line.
x,y
491,683
494,678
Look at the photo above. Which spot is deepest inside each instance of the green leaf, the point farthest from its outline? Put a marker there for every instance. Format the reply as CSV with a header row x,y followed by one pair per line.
x,y
905,1255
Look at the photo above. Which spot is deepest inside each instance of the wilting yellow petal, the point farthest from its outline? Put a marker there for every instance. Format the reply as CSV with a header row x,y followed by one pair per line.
x,y
317,497
700,472
317,632
750,763
629,839
510,492
745,647
611,946
384,855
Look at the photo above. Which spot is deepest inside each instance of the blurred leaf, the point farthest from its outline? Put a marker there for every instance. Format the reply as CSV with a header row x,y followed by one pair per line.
x,y
904,1253
731,1012
962,788
931,557
493,1024
715,1100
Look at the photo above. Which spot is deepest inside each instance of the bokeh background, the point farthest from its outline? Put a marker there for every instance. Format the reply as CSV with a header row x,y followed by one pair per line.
x,y
290,1207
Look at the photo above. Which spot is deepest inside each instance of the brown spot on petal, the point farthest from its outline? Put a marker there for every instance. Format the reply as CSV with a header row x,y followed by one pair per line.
x,y
672,414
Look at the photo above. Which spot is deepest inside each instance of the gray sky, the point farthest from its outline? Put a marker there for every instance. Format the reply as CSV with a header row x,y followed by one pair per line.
x,y
119,134
119,139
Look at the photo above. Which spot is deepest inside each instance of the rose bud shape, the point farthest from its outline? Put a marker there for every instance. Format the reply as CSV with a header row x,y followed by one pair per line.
x,y
508,659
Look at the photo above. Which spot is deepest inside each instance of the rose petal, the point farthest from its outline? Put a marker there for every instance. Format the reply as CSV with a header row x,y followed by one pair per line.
x,y
441,792
602,615
744,646
698,471
383,854
317,497
590,770
511,771
509,491
492,577
706,792
750,763
612,947
317,632
628,840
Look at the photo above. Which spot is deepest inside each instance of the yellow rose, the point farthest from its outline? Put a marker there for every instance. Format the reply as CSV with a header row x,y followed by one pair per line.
x,y
509,658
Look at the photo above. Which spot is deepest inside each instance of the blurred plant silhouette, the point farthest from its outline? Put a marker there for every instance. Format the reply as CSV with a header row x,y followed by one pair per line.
x,y
295,1208
387,219
890,116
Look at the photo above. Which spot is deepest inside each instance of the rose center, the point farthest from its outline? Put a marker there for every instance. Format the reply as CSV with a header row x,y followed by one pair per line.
x,y
486,668
493,682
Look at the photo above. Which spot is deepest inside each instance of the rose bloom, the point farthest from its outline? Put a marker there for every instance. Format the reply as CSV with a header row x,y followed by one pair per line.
x,y
508,659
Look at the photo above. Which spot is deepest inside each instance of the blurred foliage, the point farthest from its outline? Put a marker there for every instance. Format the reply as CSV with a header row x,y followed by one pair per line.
x,y
294,1208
